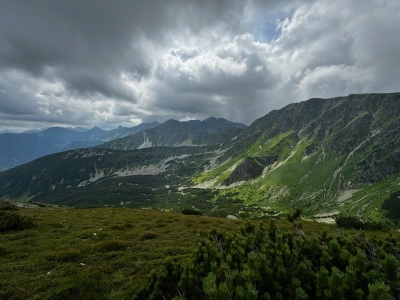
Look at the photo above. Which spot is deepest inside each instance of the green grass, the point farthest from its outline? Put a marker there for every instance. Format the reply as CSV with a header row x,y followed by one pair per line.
x,y
290,176
102,252
262,147
121,244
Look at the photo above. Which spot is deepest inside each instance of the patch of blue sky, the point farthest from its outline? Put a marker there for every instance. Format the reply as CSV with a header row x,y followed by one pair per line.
x,y
266,26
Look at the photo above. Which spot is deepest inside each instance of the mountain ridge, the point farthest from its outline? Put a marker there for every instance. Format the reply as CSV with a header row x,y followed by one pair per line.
x,y
19,148
173,133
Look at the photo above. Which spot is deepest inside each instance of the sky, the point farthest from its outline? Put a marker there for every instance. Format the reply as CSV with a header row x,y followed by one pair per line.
x,y
109,63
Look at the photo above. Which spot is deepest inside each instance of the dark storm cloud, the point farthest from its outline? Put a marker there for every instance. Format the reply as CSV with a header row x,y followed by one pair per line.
x,y
84,43
88,46
124,62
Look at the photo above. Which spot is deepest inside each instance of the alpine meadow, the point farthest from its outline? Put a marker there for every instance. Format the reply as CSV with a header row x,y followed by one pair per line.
x,y
200,150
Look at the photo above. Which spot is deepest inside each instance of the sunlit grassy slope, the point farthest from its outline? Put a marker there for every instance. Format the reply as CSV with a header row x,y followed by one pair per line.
x,y
318,182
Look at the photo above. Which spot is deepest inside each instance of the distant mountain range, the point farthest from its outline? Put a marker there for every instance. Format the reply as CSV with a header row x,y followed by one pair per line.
x,y
6,131
324,156
77,129
172,133
19,148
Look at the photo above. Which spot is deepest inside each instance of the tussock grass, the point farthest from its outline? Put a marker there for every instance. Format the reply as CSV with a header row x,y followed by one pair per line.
x,y
118,227
113,245
148,235
71,254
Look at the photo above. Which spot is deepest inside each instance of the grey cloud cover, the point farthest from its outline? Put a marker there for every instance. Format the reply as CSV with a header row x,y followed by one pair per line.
x,y
107,63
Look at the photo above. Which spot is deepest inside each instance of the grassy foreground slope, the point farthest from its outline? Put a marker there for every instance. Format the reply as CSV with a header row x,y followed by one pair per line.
x,y
104,253
88,253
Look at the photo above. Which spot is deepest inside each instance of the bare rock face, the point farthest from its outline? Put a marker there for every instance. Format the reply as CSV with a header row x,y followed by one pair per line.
x,y
250,168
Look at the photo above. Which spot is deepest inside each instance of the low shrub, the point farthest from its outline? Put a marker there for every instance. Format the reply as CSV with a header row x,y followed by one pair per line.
x,y
71,254
358,223
294,216
148,235
85,235
160,225
113,245
7,206
189,211
117,227
14,221
128,225
86,285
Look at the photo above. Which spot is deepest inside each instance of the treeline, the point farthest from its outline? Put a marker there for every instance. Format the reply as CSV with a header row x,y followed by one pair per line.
x,y
267,263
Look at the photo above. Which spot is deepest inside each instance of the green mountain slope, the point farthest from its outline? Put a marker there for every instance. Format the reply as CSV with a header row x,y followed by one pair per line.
x,y
83,167
321,155
157,177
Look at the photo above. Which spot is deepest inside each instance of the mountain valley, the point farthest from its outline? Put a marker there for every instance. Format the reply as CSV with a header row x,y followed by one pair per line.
x,y
323,156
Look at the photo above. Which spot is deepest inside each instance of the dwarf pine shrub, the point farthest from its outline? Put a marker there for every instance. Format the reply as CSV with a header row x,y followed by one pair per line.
x,y
272,264
358,223
13,221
